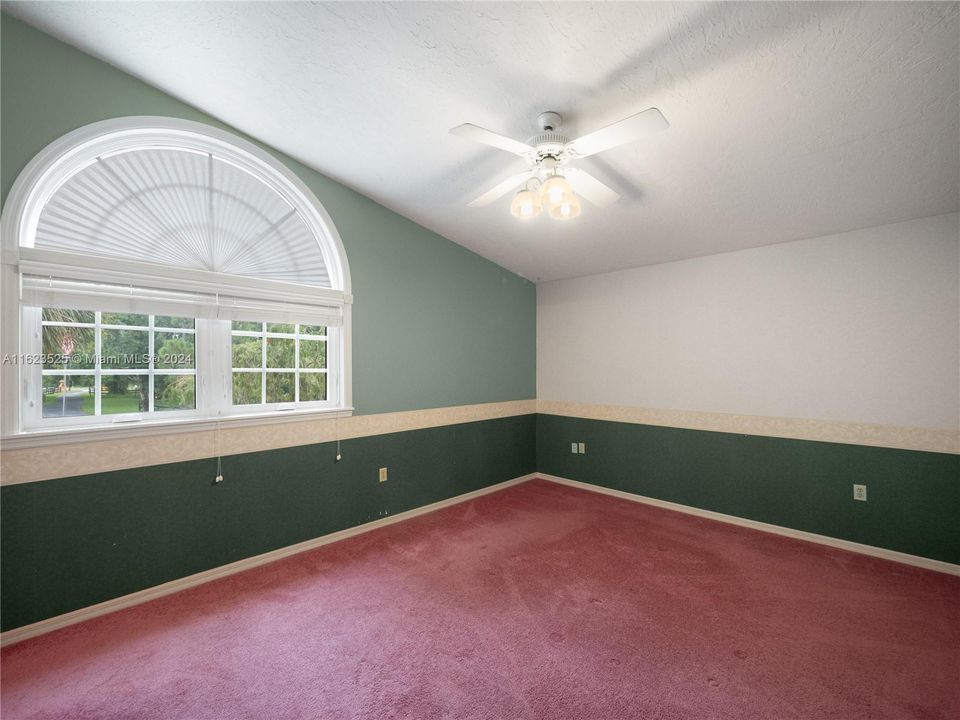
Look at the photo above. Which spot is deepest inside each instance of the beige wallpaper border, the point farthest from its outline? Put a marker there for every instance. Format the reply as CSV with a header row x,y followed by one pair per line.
x,y
23,465
929,439
31,464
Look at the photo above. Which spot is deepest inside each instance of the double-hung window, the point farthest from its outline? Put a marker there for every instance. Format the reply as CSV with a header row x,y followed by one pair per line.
x,y
164,271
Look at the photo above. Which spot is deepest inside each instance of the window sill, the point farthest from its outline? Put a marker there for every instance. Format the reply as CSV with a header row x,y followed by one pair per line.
x,y
42,438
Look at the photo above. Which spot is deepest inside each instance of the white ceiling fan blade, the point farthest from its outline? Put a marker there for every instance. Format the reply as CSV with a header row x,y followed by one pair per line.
x,y
501,189
587,186
488,137
627,130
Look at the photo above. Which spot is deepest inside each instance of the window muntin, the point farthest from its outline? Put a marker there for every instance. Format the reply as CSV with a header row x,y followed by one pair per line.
x,y
278,363
97,364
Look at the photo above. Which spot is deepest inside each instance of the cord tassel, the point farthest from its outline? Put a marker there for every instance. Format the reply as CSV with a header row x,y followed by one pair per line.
x,y
219,478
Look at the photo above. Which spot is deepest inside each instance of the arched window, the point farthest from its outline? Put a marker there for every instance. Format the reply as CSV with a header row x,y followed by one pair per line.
x,y
165,270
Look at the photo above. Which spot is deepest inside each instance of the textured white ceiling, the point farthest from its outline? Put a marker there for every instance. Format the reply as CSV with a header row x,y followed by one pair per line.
x,y
789,120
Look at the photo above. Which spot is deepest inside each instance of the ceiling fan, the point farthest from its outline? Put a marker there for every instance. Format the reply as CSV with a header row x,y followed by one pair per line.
x,y
549,181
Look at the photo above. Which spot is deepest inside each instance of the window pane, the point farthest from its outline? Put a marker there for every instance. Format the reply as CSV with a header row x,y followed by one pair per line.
x,y
123,319
68,347
280,353
174,322
313,353
124,349
69,396
247,325
174,351
174,392
246,388
313,330
313,386
280,387
67,316
280,328
123,394
247,352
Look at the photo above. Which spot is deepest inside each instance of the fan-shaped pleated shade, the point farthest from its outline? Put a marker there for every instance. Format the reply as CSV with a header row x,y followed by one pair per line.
x,y
186,209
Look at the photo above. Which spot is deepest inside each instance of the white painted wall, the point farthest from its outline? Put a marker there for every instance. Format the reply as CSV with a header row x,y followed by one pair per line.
x,y
862,327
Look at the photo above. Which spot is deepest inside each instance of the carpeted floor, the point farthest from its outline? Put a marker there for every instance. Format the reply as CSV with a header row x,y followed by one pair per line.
x,y
539,601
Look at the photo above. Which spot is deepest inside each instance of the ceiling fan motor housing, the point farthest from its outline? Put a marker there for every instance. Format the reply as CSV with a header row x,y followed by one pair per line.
x,y
548,144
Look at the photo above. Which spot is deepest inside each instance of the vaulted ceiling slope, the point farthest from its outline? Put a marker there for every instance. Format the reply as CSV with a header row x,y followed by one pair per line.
x,y
788,120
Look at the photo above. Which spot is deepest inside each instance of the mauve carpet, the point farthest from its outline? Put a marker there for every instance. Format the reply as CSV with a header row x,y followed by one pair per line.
x,y
538,601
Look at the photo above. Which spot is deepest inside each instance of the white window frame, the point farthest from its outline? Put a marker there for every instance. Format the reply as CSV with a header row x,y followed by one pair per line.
x,y
18,257
33,412
330,371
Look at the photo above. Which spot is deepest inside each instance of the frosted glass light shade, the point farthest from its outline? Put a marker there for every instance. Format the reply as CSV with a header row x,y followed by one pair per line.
x,y
566,210
525,205
555,190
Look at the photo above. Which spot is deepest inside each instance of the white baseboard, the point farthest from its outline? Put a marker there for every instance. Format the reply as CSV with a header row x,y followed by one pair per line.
x,y
905,558
71,618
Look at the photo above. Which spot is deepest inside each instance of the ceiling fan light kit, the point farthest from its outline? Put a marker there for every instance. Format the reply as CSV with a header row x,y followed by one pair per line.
x,y
548,183
555,195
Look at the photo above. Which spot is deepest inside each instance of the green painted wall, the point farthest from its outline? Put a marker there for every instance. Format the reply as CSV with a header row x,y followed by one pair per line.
x,y
913,498
73,542
434,324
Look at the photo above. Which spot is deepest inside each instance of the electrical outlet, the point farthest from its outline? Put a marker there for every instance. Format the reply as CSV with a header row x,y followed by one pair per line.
x,y
860,492
573,448
383,474
582,449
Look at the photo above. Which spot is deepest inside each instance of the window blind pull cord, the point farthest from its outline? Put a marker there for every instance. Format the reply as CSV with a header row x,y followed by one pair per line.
x,y
336,418
219,478
216,437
